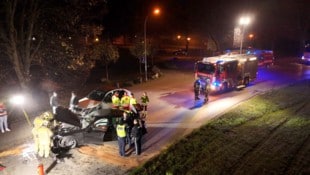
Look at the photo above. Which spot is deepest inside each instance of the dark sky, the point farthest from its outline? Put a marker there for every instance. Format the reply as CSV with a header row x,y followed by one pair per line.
x,y
271,19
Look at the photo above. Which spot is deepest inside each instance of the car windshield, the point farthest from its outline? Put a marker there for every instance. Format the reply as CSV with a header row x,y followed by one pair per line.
x,y
96,95
205,68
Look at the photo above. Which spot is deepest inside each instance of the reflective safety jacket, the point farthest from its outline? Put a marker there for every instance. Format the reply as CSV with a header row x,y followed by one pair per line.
x,y
115,100
121,130
125,101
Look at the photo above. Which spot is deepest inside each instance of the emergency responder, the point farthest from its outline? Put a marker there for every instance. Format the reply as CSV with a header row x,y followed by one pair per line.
x,y
136,134
206,94
197,86
144,102
121,137
44,134
54,102
125,101
115,100
37,123
128,120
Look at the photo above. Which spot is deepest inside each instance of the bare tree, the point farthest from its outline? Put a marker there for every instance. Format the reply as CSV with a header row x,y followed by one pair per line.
x,y
17,35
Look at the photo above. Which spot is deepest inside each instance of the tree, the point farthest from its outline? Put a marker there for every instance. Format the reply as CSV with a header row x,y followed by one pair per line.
x,y
17,35
106,52
137,50
45,33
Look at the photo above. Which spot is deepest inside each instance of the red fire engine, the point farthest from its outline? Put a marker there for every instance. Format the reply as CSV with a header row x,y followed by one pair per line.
x,y
222,72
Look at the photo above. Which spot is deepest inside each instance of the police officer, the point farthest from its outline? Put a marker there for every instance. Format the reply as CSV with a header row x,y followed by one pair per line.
x,y
121,137
197,86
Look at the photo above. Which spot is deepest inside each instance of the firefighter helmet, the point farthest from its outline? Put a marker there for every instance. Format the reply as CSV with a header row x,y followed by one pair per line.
x,y
38,121
47,116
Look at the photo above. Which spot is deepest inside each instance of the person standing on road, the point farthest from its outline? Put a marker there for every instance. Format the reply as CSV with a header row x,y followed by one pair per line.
x,y
121,137
54,102
37,123
73,102
3,118
197,87
127,118
136,134
144,102
44,135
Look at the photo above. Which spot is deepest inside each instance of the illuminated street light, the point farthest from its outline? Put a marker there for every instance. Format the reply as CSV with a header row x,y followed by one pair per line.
x,y
244,21
156,11
19,101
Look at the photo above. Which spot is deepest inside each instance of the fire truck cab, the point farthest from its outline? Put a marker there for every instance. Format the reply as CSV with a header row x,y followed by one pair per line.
x,y
223,72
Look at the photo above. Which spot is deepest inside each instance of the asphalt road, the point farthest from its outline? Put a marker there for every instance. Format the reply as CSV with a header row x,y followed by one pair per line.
x,y
173,113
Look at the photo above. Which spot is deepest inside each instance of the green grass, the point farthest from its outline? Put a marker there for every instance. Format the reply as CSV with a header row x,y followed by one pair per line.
x,y
268,134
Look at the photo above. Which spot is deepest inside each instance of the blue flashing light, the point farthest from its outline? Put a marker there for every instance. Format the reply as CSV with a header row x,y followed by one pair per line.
x,y
217,84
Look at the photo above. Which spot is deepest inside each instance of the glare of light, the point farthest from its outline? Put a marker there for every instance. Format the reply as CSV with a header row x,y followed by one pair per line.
x,y
33,38
179,36
251,36
244,21
156,11
188,38
96,39
252,58
17,100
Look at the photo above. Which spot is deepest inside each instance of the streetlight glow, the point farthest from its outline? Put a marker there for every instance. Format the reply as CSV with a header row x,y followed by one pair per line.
x,y
243,21
156,11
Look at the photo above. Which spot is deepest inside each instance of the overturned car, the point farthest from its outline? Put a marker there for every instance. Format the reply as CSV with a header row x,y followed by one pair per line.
x,y
94,115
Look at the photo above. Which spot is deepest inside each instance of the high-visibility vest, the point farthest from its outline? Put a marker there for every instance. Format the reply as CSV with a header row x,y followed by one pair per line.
x,y
121,130
125,100
115,100
133,101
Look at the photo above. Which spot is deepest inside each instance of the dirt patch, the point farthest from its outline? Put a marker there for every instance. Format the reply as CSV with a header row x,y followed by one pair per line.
x,y
109,154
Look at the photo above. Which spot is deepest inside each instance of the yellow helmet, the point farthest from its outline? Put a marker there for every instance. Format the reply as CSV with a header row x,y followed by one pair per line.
x,y
47,115
38,121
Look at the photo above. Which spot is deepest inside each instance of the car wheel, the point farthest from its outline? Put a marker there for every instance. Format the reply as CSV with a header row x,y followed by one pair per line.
x,y
68,142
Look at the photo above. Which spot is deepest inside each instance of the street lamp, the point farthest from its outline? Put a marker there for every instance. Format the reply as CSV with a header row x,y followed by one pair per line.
x,y
244,21
156,11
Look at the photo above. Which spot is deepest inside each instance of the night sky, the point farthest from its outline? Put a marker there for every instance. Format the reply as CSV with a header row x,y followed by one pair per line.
x,y
273,21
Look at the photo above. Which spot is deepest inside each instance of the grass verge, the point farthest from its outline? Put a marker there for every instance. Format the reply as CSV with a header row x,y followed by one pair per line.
x,y
268,134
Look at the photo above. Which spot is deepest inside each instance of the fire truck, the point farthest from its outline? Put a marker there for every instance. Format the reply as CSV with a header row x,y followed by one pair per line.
x,y
265,57
224,72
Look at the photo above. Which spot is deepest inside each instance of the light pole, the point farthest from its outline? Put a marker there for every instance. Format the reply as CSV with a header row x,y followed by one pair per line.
x,y
156,11
244,21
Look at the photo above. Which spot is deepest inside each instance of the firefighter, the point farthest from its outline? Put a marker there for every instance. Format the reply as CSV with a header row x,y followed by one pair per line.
x,y
37,123
121,137
115,100
144,102
206,92
197,86
44,135
125,101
